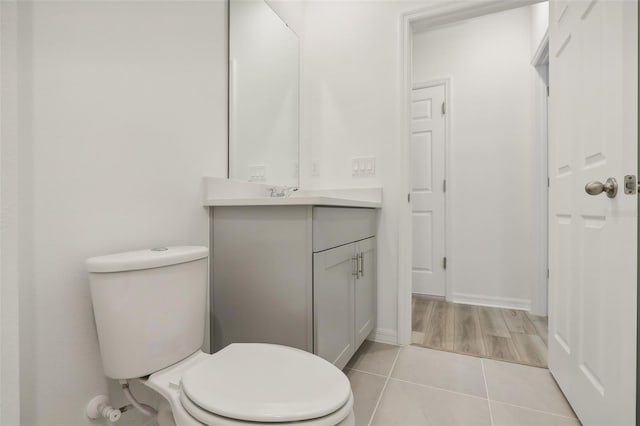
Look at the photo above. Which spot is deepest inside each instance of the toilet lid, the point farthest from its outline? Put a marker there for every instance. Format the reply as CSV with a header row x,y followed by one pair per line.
x,y
266,383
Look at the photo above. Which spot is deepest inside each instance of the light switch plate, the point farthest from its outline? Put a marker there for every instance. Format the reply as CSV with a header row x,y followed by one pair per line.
x,y
257,173
363,166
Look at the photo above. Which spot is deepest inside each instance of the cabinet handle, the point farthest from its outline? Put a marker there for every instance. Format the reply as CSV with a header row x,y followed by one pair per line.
x,y
354,264
360,265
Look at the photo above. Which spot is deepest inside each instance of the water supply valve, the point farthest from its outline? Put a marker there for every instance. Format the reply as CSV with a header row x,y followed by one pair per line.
x,y
99,407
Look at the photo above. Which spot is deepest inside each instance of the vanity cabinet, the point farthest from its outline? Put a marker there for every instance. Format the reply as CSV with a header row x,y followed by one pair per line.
x,y
344,299
301,276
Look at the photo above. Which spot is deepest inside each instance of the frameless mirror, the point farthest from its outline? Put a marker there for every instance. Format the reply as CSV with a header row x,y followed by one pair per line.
x,y
263,95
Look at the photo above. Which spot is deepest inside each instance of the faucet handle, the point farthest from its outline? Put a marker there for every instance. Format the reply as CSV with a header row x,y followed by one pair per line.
x,y
288,190
282,191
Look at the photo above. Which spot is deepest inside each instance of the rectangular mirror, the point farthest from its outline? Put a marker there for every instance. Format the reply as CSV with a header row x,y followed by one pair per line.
x,y
263,95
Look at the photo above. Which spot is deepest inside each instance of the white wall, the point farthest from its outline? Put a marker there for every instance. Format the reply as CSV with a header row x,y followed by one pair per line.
x,y
494,167
123,110
9,313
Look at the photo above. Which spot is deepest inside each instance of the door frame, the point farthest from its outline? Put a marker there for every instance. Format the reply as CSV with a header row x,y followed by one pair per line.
x,y
540,294
429,17
448,165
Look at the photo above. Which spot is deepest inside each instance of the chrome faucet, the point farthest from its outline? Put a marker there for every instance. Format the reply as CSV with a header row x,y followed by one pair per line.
x,y
282,191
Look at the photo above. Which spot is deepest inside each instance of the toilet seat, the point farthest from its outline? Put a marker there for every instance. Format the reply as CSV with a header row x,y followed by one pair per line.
x,y
207,418
266,383
252,383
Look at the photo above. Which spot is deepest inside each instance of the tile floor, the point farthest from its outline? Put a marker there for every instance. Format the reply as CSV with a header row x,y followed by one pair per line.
x,y
418,386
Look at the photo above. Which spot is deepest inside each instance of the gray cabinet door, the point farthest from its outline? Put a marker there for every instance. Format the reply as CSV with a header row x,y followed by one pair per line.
x,y
333,300
365,290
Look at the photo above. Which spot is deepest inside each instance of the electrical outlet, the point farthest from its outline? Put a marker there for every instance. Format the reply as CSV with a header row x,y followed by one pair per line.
x,y
257,173
315,168
363,166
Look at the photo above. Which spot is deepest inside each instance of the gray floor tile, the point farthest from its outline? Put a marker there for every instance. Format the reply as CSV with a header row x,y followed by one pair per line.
x,y
407,404
444,370
374,357
366,391
525,386
508,415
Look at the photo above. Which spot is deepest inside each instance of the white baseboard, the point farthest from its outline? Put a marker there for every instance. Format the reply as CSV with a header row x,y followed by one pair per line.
x,y
494,302
384,335
417,288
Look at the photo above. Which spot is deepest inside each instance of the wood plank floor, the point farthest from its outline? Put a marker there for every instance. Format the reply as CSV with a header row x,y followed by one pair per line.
x,y
503,334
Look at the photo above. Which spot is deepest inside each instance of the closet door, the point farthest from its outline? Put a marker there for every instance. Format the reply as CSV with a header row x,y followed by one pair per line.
x,y
334,271
365,289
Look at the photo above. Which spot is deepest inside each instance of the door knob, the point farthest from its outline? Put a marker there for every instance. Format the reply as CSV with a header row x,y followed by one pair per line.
x,y
610,187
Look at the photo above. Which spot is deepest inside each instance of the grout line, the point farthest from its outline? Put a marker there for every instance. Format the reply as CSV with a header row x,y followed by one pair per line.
x,y
486,387
368,372
534,409
438,388
384,388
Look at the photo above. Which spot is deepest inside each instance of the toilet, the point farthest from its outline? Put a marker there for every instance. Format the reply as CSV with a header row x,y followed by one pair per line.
x,y
150,310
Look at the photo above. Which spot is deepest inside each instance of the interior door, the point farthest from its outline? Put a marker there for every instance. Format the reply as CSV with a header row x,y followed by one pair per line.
x,y
333,273
427,189
593,238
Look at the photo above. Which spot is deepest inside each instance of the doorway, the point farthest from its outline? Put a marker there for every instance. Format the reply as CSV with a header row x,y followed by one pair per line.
x,y
478,187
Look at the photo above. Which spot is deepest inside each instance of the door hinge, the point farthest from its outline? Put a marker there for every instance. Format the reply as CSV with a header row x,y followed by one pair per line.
x,y
547,273
444,108
548,182
444,185
444,262
409,198
548,91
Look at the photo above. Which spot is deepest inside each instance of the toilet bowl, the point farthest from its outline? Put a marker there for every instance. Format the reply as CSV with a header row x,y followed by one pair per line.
x,y
150,310
254,384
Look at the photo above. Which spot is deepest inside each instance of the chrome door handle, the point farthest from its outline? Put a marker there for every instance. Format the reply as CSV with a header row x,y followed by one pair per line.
x,y
361,269
610,187
354,263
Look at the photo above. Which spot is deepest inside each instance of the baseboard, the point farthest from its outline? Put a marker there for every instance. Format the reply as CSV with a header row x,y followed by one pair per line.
x,y
418,288
494,302
384,335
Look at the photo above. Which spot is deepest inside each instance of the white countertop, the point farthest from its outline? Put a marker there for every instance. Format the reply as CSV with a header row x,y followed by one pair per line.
x,y
225,192
293,201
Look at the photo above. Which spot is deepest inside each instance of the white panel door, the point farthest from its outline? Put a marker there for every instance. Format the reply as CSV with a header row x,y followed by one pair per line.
x,y
427,189
593,238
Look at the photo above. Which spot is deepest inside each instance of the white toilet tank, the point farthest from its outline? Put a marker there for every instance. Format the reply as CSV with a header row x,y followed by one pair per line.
x,y
149,307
